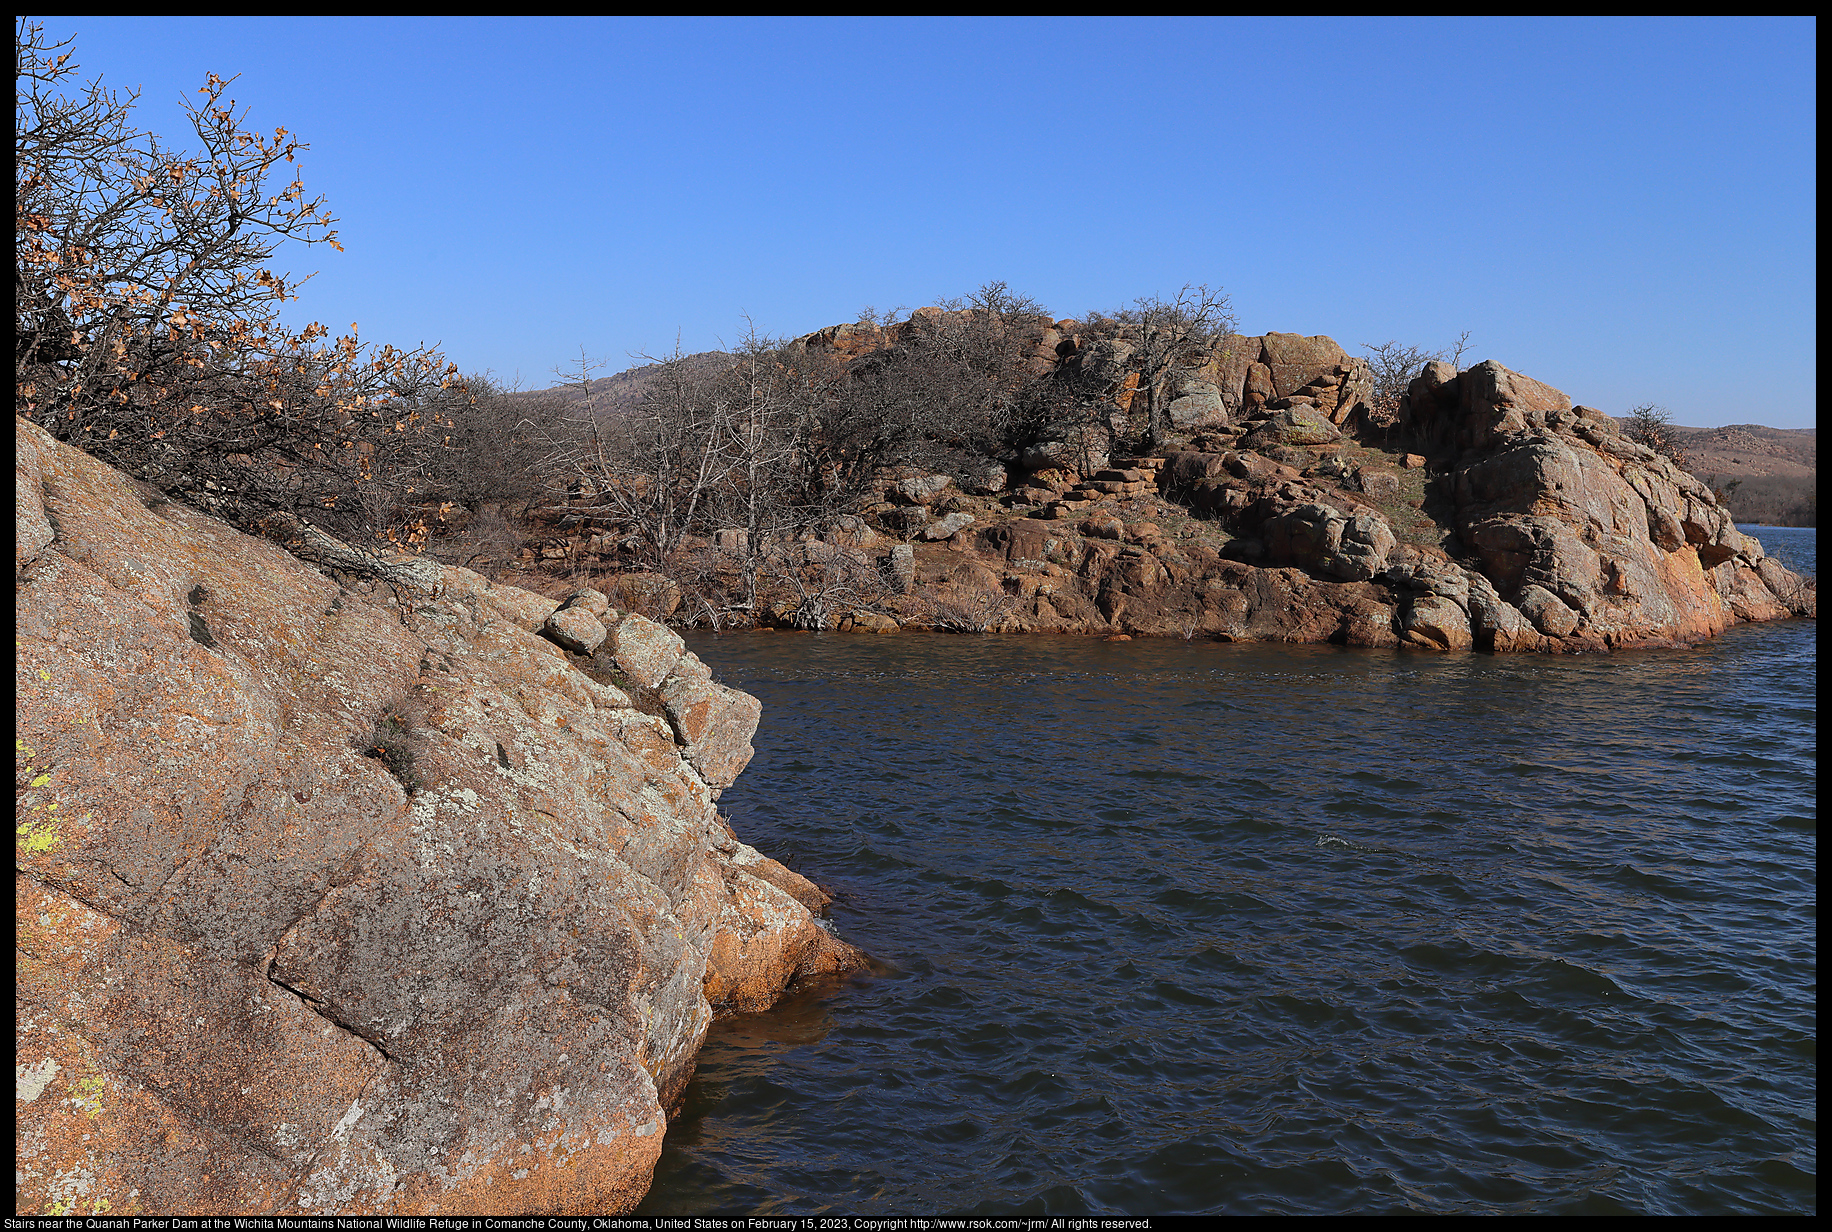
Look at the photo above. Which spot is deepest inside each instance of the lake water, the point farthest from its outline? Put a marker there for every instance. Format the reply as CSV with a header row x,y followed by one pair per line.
x,y
1195,927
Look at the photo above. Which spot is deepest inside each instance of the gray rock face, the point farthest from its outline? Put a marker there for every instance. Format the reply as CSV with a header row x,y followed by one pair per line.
x,y
1196,404
900,568
1352,547
575,628
366,907
920,490
1298,425
1362,551
944,528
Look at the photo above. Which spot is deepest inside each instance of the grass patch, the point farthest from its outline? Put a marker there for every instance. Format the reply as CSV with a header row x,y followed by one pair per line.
x,y
391,743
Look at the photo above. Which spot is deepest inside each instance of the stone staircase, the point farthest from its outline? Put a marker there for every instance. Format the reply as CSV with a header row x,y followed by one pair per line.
x,y
1126,477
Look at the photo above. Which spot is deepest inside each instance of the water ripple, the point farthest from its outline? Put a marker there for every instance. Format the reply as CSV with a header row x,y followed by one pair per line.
x,y
1172,927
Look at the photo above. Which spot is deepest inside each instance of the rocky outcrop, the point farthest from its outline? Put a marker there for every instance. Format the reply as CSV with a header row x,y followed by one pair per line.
x,y
1494,514
332,899
1524,523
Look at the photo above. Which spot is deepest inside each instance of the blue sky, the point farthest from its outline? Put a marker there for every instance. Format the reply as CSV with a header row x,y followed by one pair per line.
x,y
1624,209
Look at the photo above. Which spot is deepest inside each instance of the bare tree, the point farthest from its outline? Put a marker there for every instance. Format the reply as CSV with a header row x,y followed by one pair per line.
x,y
1172,338
653,468
772,488
1651,424
1453,354
968,609
147,324
820,585
1394,365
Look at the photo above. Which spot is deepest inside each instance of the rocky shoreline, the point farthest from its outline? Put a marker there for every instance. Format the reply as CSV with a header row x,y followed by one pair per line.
x,y
1491,514
339,897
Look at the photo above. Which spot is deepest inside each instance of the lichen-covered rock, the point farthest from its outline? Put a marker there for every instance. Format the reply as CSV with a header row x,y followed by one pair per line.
x,y
594,601
330,904
1350,546
645,651
946,527
919,489
1297,425
713,725
575,628
1195,404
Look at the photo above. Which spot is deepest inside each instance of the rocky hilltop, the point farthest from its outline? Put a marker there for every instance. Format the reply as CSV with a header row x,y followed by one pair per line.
x,y
344,897
1491,513
1768,475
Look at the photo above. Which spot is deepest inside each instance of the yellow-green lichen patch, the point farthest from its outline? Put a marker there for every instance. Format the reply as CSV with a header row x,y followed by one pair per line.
x,y
36,838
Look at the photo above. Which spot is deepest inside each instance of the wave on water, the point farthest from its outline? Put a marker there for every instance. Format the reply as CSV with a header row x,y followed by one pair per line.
x,y
1187,927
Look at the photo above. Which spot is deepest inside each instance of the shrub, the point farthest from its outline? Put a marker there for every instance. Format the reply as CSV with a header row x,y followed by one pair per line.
x,y
147,317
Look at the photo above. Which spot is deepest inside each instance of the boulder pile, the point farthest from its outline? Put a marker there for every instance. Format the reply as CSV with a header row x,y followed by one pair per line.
x,y
1495,515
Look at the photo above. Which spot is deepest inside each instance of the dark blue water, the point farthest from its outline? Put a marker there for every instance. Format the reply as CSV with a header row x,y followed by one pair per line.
x,y
1191,927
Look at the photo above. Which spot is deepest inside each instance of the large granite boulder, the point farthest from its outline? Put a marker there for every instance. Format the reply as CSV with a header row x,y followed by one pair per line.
x,y
1227,369
1297,425
918,489
1195,403
1351,546
1625,544
1294,361
329,903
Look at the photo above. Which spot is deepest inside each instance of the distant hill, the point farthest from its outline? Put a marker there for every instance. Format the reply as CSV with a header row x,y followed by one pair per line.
x,y
1742,451
624,390
1771,474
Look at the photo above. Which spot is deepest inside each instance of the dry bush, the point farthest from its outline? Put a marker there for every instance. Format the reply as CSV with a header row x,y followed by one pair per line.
x,y
1651,424
147,318
1393,366
965,608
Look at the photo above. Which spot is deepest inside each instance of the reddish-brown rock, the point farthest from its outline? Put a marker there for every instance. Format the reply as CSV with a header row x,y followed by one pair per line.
x,y
1294,360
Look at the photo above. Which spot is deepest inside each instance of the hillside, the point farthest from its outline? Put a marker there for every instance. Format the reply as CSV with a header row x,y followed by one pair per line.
x,y
624,390
1770,474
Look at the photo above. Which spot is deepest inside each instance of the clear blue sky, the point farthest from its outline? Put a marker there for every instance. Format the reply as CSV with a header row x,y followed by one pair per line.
x,y
1621,208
